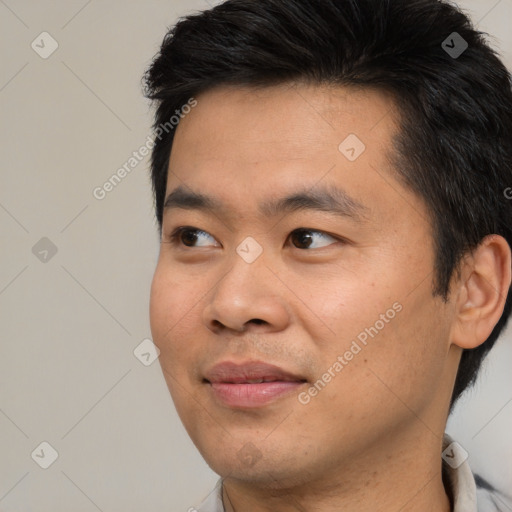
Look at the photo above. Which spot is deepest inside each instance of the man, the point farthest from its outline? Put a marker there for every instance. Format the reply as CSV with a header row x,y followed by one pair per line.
x,y
335,259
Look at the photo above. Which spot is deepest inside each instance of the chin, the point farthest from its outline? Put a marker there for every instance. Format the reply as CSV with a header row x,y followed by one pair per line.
x,y
265,467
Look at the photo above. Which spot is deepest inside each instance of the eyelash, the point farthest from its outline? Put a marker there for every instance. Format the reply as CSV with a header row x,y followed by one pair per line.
x,y
174,237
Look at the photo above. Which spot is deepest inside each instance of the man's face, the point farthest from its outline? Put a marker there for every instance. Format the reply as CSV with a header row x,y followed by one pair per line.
x,y
340,300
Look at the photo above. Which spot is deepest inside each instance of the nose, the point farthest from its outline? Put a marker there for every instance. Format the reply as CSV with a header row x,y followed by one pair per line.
x,y
247,297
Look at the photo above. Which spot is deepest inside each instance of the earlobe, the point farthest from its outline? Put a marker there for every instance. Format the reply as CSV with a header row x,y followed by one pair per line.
x,y
482,292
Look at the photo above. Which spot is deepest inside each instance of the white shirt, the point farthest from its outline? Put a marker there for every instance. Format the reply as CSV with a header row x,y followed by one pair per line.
x,y
455,464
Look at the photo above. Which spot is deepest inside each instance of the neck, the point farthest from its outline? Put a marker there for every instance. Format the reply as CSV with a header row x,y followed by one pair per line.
x,y
404,475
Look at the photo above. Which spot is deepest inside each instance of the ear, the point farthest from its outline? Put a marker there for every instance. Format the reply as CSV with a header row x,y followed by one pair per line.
x,y
481,292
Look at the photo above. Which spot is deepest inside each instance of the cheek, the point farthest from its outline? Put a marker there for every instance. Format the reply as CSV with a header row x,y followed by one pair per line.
x,y
407,357
424,337
171,309
387,337
171,319
161,307
350,305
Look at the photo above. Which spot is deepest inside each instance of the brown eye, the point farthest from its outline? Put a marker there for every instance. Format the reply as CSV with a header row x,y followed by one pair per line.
x,y
305,238
189,237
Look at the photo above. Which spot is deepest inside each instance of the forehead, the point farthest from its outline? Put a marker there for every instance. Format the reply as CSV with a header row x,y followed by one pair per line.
x,y
244,145
291,121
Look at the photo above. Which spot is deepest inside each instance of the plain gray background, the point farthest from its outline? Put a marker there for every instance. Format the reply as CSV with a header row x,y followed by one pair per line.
x,y
70,321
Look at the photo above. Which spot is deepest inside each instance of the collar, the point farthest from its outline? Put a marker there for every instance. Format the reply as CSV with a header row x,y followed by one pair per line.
x,y
461,484
456,469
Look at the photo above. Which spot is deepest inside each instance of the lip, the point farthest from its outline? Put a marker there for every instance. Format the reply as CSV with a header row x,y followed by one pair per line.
x,y
231,383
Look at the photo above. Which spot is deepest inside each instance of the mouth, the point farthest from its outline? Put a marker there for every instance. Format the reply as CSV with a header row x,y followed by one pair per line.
x,y
252,384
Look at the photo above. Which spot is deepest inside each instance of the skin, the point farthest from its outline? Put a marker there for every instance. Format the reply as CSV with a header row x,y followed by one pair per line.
x,y
371,438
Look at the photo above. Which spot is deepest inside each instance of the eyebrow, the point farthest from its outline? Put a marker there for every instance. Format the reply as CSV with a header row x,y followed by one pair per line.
x,y
328,199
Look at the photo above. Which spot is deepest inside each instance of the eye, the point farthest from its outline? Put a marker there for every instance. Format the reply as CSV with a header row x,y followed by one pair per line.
x,y
304,237
188,236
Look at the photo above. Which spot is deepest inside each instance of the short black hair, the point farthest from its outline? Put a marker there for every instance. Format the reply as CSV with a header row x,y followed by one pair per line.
x,y
454,146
